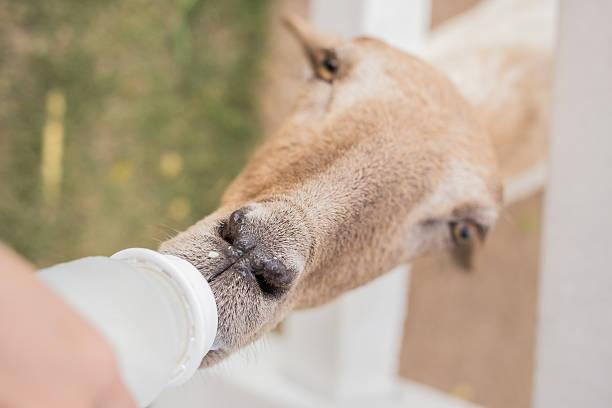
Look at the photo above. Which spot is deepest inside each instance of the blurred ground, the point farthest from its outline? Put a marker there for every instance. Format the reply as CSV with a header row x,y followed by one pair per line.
x,y
145,109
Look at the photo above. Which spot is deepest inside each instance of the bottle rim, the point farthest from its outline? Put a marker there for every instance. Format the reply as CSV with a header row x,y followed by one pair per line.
x,y
197,297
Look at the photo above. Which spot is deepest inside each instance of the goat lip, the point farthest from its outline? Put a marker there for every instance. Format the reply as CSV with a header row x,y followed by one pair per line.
x,y
234,255
215,275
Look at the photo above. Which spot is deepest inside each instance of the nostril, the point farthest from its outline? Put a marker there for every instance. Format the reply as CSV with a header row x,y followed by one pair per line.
x,y
235,225
265,286
224,232
235,232
230,229
277,273
236,217
273,277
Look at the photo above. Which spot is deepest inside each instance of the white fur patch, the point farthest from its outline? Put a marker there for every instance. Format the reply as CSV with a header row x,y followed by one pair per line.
x,y
460,185
457,46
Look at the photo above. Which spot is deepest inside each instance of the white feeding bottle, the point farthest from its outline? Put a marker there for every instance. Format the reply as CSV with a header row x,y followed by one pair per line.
x,y
156,311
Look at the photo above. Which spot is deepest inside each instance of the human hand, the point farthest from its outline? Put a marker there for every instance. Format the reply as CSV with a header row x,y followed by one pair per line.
x,y
49,356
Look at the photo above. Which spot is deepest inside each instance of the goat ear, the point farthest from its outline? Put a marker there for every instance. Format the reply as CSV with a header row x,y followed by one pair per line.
x,y
317,46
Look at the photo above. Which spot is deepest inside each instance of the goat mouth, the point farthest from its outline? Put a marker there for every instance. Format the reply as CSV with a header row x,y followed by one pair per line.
x,y
234,255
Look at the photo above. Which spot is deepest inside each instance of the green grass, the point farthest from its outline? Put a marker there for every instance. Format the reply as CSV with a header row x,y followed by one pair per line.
x,y
143,80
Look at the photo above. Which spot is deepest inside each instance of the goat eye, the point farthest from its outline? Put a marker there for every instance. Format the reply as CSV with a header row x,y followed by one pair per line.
x,y
327,68
331,65
463,232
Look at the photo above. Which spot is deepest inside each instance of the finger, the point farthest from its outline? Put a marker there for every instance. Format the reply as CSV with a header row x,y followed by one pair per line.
x,y
117,397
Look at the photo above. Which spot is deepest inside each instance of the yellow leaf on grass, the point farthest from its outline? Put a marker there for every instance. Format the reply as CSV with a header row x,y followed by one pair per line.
x,y
179,208
170,165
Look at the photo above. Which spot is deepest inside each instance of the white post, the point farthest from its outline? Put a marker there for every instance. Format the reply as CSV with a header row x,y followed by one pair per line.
x,y
349,349
574,344
402,24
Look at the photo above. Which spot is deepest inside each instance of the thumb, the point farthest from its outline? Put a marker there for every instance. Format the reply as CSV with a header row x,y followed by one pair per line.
x,y
117,397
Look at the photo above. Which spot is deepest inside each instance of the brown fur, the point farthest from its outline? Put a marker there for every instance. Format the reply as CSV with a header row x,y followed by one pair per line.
x,y
510,91
368,172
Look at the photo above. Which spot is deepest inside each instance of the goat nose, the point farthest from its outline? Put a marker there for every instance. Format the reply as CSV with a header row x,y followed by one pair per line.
x,y
252,250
